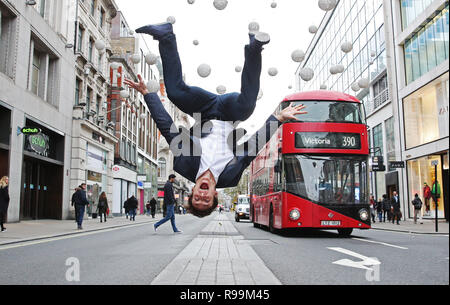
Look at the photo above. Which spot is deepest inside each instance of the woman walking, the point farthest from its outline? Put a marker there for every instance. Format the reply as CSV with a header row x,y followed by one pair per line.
x,y
102,206
4,201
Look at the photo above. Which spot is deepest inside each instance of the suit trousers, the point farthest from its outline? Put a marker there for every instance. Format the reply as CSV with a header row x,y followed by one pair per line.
x,y
227,107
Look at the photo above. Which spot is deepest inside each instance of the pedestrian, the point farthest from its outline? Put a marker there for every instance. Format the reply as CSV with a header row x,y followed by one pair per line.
x,y
386,208
73,202
380,210
153,207
417,203
102,206
80,204
147,208
427,198
4,201
132,207
220,210
126,208
212,167
372,208
396,212
169,200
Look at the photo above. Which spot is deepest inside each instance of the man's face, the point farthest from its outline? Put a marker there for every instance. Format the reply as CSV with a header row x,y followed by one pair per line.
x,y
83,186
204,192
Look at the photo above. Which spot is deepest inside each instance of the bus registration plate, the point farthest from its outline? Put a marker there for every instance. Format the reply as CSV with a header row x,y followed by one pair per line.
x,y
326,223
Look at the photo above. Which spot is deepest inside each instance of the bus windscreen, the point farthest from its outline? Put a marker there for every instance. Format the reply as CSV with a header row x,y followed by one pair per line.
x,y
329,112
327,180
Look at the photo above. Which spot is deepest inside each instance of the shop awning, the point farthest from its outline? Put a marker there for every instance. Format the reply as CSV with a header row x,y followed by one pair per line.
x,y
160,194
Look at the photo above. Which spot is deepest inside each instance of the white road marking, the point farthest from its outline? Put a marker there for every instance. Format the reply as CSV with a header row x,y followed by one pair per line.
x,y
381,243
50,239
365,262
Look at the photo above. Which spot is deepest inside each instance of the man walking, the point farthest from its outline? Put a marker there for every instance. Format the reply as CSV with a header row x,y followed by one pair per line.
x,y
417,203
80,204
396,208
169,200
74,196
132,206
153,207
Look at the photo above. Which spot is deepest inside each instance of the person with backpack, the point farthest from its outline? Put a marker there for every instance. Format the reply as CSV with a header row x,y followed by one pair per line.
x,y
386,208
417,203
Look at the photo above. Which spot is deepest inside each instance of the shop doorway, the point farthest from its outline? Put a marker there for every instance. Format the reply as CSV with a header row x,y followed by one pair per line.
x,y
42,191
392,183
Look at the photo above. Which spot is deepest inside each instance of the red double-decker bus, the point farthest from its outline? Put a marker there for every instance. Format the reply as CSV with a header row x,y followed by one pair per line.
x,y
314,171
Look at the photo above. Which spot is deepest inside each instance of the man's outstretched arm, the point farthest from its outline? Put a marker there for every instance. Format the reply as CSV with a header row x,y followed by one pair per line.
x,y
159,114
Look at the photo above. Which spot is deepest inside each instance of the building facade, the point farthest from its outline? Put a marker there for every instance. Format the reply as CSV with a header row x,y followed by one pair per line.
x,y
382,33
135,165
93,140
420,46
36,92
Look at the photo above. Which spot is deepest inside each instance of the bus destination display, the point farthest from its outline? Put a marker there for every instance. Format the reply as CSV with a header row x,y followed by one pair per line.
x,y
327,140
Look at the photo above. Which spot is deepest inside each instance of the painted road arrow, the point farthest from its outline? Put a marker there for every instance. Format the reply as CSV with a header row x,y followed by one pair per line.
x,y
365,263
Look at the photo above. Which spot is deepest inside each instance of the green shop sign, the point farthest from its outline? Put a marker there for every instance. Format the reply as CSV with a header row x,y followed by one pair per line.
x,y
30,130
39,144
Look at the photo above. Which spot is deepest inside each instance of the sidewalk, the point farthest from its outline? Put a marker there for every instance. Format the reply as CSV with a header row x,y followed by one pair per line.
x,y
408,226
42,229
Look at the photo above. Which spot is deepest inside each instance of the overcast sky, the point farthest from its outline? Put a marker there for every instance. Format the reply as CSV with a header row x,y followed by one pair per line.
x,y
223,35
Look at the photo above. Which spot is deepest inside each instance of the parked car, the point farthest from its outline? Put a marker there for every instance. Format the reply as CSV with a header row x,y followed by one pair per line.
x,y
242,212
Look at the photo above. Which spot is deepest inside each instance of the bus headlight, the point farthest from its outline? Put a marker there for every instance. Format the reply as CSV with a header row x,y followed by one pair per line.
x,y
294,214
364,214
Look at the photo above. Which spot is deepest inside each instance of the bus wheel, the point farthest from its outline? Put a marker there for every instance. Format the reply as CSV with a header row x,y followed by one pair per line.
x,y
345,232
271,227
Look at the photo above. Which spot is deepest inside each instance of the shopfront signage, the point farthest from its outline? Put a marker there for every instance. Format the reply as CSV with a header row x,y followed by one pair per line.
x,y
327,140
30,130
147,185
396,165
141,178
378,164
39,143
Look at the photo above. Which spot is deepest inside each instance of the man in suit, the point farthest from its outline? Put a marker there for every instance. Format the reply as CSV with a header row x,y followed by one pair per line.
x,y
227,107
169,200
207,158
396,208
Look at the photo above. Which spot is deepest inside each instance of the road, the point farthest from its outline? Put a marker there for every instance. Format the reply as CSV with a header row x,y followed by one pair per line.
x,y
137,255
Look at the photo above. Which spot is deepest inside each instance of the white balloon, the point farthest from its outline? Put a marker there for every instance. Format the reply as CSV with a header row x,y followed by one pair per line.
x,y
153,86
124,94
333,70
131,32
313,29
273,71
260,94
171,19
298,56
191,1
136,58
355,87
307,74
340,68
221,89
100,45
323,87
253,26
204,70
196,42
238,69
347,47
290,87
151,59
327,5
273,5
364,83
220,4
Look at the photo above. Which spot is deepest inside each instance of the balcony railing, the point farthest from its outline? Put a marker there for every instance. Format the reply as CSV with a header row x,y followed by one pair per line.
x,y
378,101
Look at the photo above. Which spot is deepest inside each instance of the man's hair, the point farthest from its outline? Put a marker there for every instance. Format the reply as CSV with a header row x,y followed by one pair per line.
x,y
172,176
190,208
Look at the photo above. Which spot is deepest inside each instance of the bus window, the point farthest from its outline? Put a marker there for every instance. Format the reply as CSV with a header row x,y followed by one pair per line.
x,y
330,112
327,180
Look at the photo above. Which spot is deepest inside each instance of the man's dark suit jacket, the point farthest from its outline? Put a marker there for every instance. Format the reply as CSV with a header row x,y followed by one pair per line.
x,y
169,197
188,165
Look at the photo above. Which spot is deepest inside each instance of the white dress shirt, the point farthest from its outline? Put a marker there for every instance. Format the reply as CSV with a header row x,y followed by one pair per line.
x,y
216,154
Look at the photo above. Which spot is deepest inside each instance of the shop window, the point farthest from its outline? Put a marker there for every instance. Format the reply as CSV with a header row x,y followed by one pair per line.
x,y
426,113
162,168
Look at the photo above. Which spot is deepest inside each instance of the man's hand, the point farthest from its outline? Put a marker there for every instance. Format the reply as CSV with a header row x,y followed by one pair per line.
x,y
141,87
290,113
